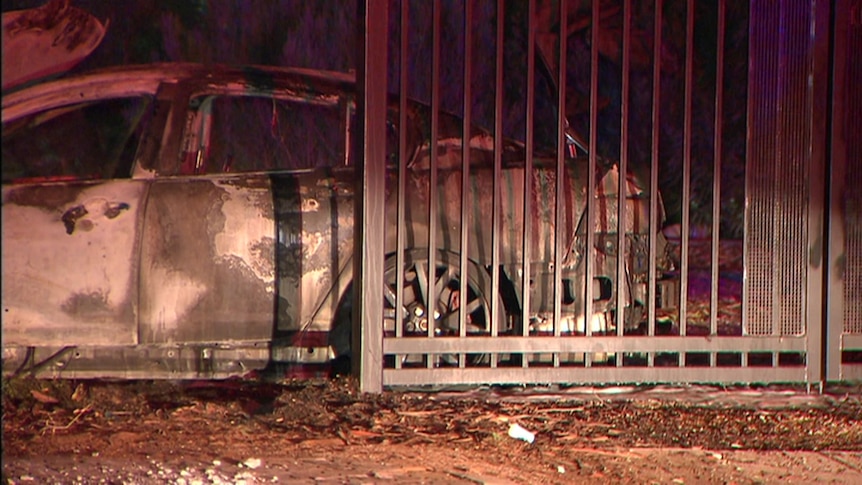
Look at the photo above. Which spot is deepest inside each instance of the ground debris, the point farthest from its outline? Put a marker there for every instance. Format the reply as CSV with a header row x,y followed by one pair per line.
x,y
221,429
325,409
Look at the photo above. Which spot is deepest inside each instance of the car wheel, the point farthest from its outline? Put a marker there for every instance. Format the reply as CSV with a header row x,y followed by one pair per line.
x,y
415,281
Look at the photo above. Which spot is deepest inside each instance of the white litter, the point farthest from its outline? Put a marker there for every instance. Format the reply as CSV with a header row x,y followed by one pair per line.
x,y
252,463
519,433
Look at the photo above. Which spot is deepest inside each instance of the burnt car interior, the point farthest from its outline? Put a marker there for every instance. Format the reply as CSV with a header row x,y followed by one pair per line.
x,y
274,134
92,140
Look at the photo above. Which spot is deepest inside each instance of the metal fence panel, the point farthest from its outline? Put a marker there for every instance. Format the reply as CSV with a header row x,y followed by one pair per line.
x,y
844,268
588,235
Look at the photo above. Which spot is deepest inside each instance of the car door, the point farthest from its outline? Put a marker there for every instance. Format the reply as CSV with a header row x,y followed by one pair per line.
x,y
239,243
72,223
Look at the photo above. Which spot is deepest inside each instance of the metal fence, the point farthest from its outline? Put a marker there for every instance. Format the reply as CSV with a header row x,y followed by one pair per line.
x,y
843,299
648,192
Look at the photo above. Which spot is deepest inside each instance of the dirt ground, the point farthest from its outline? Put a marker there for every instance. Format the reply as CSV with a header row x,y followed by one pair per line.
x,y
324,431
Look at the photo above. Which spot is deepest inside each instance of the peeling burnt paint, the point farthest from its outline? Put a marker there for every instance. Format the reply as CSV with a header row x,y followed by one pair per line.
x,y
90,212
87,292
264,253
314,217
71,216
111,210
49,197
87,305
114,210
258,191
177,228
207,262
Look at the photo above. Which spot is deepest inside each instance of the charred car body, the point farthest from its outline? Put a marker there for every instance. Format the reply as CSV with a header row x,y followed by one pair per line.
x,y
183,221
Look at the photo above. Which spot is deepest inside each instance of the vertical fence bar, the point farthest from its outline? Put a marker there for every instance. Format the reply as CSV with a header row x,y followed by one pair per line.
x,y
589,247
716,175
686,169
654,167
367,345
526,241
498,160
433,196
465,183
560,174
402,173
622,180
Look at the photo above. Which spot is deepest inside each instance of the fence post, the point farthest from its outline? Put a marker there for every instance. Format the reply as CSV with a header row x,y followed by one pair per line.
x,y
367,335
818,205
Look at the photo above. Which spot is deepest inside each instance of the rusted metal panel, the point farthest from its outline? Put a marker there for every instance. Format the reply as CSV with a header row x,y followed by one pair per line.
x,y
208,261
70,269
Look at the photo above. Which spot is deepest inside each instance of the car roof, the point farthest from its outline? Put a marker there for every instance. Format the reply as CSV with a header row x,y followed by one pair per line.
x,y
145,79
120,81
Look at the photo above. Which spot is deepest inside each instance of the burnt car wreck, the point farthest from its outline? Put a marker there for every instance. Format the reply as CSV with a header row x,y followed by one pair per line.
x,y
182,221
